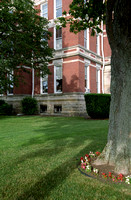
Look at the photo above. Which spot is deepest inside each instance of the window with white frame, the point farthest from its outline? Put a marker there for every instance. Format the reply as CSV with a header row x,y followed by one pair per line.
x,y
44,10
98,44
44,85
58,38
87,89
58,8
58,79
10,84
98,79
86,38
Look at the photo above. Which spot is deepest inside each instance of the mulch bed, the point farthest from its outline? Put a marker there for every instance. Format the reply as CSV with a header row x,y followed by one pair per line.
x,y
102,169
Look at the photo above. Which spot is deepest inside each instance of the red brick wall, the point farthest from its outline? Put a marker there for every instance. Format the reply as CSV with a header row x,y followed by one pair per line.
x,y
73,75
50,9
107,50
92,41
37,83
68,38
51,80
25,83
51,41
93,87
65,5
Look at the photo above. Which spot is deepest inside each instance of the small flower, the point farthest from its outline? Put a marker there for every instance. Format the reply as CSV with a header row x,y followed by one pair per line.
x,y
88,168
91,154
110,175
104,175
81,159
97,153
96,171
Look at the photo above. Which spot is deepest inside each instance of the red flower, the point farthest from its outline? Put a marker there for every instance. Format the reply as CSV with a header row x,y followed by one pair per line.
x,y
97,153
87,155
110,175
81,158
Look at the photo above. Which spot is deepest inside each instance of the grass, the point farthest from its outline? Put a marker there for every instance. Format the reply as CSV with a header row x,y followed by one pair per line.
x,y
39,158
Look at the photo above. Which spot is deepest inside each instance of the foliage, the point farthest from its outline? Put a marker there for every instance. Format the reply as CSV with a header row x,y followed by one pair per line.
x,y
98,105
1,102
23,40
85,14
5,108
29,106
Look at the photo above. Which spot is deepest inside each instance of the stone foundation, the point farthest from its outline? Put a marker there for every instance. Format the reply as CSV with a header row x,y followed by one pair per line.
x,y
68,104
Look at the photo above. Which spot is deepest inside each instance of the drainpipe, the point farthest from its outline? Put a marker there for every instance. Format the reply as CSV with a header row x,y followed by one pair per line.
x,y
32,82
102,45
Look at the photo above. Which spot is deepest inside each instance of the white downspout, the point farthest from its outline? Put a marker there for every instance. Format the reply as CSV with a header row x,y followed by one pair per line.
x,y
102,45
32,82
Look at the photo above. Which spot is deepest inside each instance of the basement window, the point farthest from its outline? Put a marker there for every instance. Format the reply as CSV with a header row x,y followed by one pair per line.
x,y
43,108
57,108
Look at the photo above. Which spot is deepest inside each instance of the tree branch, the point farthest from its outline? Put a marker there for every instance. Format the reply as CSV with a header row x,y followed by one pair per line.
x,y
109,22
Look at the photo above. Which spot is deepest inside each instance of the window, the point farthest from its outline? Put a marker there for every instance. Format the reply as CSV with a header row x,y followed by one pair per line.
x,y
43,108
58,7
58,40
87,90
44,85
10,85
44,10
86,38
57,108
58,79
98,44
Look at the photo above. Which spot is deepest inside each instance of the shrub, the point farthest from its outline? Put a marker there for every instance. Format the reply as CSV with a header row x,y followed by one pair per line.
x,y
1,102
29,106
6,109
98,105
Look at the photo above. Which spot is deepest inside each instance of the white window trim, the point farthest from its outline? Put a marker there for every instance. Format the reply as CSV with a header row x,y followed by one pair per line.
x,y
87,88
41,86
57,64
98,78
87,38
98,44
55,39
55,9
41,8
10,94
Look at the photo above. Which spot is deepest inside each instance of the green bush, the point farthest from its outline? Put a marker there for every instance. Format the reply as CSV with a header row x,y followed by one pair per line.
x,y
1,102
29,106
5,109
98,105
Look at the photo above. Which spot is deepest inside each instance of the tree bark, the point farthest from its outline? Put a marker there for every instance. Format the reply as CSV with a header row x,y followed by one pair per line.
x,y
118,149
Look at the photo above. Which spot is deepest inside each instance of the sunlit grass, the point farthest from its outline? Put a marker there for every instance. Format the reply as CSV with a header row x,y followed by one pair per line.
x,y
39,158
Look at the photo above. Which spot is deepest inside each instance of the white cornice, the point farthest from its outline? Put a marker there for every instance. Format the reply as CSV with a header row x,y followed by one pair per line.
x,y
38,2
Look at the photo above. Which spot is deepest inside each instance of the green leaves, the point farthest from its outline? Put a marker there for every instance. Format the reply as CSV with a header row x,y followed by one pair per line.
x,y
85,14
23,38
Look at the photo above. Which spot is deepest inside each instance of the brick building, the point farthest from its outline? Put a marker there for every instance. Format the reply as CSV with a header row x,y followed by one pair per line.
x,y
81,63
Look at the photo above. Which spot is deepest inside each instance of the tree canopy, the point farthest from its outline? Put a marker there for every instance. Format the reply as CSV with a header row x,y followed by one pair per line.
x,y
23,40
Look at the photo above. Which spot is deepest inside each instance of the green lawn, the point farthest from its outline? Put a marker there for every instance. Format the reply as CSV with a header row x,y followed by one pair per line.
x,y
39,158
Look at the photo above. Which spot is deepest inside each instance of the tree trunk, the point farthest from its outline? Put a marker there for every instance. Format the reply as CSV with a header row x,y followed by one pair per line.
x,y
118,149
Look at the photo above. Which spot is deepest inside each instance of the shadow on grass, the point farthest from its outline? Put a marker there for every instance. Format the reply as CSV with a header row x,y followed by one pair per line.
x,y
46,184
59,135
